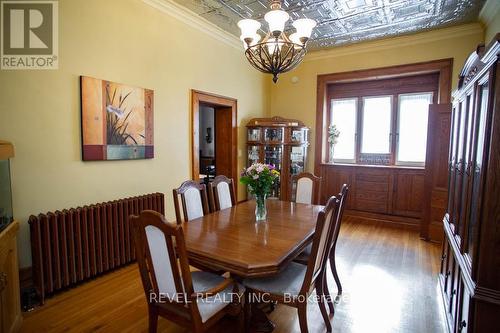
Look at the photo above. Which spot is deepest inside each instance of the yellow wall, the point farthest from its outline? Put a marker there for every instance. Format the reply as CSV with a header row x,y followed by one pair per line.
x,y
490,17
298,100
125,41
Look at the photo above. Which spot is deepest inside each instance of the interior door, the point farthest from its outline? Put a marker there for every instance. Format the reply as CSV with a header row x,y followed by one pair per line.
x,y
223,141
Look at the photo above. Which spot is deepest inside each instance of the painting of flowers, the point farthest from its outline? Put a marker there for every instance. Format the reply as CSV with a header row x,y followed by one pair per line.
x,y
117,121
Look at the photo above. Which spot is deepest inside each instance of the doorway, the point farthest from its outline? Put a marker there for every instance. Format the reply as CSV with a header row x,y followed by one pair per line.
x,y
214,140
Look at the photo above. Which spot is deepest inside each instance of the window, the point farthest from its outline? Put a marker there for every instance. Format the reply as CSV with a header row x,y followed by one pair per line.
x,y
343,115
376,125
412,128
392,128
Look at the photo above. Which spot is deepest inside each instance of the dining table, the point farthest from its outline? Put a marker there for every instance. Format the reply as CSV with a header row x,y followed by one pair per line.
x,y
232,240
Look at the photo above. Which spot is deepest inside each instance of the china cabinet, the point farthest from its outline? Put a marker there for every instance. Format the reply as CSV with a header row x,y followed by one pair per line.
x,y
282,143
470,264
10,306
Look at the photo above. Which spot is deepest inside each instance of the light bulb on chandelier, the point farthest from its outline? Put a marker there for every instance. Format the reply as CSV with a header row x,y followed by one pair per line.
x,y
276,53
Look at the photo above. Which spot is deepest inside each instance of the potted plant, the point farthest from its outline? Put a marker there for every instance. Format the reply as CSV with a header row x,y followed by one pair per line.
x,y
260,178
333,137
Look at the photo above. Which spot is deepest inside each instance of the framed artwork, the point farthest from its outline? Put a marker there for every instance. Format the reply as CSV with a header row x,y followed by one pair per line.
x,y
117,121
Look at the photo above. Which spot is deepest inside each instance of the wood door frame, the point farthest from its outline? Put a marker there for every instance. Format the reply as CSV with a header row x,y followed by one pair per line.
x,y
201,97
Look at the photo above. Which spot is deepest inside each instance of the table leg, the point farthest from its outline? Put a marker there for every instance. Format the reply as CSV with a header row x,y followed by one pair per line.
x,y
259,320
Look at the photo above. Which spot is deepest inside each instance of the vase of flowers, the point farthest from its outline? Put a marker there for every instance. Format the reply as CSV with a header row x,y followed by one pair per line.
x,y
333,138
259,179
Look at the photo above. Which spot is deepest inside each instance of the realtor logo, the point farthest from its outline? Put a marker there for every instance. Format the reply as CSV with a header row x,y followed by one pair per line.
x,y
29,34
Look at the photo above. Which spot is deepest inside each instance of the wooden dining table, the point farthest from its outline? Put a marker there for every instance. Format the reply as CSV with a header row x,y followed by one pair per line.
x,y
231,239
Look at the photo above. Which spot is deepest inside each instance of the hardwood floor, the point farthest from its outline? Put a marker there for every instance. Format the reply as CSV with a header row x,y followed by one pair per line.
x,y
389,278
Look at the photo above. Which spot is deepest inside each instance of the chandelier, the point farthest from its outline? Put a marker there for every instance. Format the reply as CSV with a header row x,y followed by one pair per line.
x,y
276,53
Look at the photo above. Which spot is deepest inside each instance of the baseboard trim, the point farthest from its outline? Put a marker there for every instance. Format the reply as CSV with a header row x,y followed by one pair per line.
x,y
393,220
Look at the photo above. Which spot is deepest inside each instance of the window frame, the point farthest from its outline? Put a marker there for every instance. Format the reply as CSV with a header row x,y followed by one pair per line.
x,y
362,89
408,163
361,156
356,120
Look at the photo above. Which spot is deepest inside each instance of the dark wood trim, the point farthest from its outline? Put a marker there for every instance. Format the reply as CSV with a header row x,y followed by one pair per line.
x,y
199,98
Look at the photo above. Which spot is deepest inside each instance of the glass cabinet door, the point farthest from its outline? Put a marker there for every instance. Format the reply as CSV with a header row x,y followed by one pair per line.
x,y
273,134
453,159
5,195
297,159
274,155
298,135
253,134
476,172
459,167
464,195
253,154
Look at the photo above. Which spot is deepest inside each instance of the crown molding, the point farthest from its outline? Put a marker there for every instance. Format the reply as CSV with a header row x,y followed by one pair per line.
x,y
491,9
397,42
194,20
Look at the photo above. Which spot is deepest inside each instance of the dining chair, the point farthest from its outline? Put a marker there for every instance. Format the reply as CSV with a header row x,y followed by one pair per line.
x,y
195,300
295,284
303,257
306,188
222,192
193,197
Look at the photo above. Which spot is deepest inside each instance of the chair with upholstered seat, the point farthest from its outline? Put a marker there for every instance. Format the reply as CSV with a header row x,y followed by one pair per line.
x,y
222,192
306,188
196,300
193,197
303,258
296,282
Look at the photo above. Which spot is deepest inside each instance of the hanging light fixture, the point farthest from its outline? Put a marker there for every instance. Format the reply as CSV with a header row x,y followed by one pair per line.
x,y
276,53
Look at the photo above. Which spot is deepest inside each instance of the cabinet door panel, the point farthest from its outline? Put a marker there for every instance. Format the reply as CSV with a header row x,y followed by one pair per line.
x,y
408,194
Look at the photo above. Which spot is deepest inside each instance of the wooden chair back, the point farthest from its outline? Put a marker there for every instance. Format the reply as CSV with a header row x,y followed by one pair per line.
x,y
306,188
158,245
194,201
325,225
222,192
343,199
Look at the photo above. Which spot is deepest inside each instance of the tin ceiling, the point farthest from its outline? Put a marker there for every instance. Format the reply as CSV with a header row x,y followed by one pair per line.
x,y
344,21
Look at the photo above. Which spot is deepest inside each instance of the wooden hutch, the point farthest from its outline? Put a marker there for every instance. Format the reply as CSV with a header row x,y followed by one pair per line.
x,y
281,142
470,266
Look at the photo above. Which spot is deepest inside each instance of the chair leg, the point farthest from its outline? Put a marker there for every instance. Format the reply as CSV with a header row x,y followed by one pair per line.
x,y
302,310
333,266
326,291
153,320
321,304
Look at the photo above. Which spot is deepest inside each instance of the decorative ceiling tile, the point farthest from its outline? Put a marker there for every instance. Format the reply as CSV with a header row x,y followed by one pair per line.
x,y
343,22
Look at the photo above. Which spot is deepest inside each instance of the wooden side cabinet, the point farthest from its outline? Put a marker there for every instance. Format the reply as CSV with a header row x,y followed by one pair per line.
x,y
10,304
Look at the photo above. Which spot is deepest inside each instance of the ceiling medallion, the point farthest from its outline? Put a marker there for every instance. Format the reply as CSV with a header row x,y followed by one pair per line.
x,y
277,53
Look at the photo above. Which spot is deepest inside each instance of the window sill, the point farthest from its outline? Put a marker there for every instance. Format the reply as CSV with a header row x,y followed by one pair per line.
x,y
373,166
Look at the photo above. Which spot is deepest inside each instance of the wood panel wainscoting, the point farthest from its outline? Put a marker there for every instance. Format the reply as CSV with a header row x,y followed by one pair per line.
x,y
411,196
391,194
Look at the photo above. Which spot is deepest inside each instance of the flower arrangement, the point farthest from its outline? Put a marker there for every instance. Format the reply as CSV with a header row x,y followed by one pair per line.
x,y
260,178
333,134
